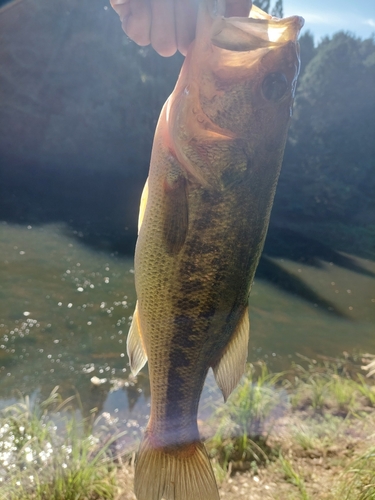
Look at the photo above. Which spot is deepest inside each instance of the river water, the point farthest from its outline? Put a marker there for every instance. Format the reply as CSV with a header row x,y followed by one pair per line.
x,y
65,309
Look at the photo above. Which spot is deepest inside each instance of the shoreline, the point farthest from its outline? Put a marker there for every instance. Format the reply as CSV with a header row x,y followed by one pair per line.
x,y
306,433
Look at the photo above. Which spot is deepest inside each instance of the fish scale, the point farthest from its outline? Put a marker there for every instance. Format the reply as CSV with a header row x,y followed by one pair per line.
x,y
204,215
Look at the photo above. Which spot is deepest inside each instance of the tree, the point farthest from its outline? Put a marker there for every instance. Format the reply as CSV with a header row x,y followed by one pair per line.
x,y
265,5
278,10
329,162
307,50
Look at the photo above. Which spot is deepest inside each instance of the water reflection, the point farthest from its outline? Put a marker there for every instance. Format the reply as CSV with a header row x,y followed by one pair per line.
x,y
282,278
100,209
63,307
285,242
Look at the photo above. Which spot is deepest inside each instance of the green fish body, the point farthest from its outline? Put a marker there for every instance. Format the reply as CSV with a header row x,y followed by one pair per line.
x,y
204,215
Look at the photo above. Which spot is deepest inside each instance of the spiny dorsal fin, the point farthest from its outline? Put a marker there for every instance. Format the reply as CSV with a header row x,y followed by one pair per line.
x,y
231,366
142,206
136,351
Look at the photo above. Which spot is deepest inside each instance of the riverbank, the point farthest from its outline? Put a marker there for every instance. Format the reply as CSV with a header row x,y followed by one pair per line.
x,y
306,433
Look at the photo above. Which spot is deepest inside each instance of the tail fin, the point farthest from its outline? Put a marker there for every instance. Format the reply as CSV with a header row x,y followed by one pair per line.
x,y
181,473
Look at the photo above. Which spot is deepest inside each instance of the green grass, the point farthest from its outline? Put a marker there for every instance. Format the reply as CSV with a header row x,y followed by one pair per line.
x,y
244,423
326,392
359,478
329,387
344,393
47,457
46,453
308,438
366,390
293,477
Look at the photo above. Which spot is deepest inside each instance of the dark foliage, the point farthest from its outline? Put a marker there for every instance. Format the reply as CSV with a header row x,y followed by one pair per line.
x,y
79,104
277,10
329,164
263,4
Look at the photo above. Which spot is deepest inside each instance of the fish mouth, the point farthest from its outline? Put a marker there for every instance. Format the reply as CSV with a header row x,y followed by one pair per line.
x,y
259,30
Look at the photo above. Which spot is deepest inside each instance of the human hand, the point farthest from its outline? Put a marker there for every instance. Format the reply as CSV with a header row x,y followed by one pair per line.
x,y
169,25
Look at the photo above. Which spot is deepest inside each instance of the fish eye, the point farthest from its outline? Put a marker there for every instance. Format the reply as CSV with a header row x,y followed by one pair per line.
x,y
274,86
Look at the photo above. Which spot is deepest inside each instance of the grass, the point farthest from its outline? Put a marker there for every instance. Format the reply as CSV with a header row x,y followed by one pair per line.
x,y
322,406
245,421
293,477
329,387
271,422
310,436
360,478
366,390
45,455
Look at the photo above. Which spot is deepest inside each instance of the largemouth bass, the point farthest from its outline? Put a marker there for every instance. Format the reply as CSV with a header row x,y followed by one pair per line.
x,y
204,215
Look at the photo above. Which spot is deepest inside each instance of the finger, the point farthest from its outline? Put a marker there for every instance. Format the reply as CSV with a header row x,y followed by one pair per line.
x,y
122,7
185,21
163,35
238,8
137,22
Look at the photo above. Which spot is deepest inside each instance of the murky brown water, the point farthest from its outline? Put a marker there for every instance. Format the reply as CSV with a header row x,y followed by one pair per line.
x,y
65,308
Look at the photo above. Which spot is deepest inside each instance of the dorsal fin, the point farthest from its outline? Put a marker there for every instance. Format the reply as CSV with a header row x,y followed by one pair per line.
x,y
142,206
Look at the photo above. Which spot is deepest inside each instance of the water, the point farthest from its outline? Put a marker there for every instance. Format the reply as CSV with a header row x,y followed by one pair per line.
x,y
65,310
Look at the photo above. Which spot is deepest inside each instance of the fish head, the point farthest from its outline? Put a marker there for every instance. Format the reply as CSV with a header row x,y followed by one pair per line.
x,y
238,81
256,68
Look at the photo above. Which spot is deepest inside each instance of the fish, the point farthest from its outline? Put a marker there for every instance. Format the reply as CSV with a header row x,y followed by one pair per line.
x,y
204,214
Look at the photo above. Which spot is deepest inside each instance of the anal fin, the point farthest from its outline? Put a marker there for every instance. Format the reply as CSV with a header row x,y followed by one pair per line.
x,y
136,351
231,366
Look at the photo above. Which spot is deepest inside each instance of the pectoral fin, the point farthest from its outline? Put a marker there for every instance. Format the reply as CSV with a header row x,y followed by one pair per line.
x,y
176,210
136,351
231,366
